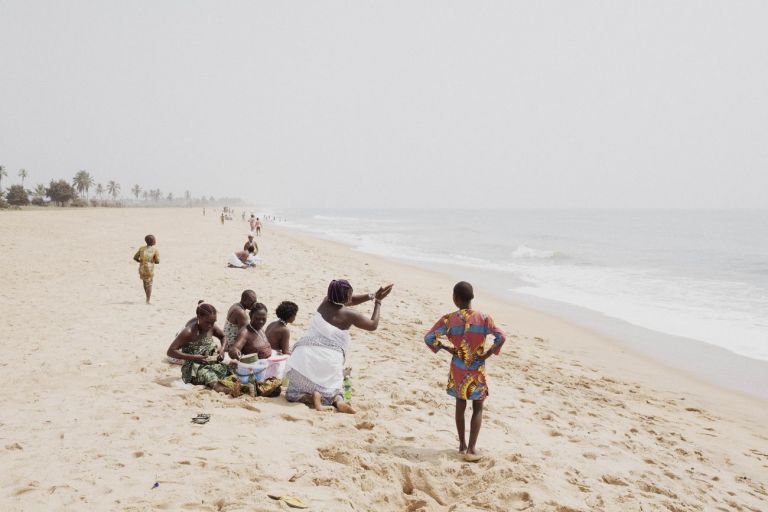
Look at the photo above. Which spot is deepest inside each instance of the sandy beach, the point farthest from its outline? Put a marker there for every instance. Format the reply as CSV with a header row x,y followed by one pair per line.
x,y
94,417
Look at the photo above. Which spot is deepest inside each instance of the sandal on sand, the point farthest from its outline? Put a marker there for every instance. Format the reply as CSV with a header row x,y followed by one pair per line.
x,y
291,501
201,419
472,457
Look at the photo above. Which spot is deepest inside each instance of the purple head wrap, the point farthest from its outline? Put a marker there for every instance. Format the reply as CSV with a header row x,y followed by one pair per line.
x,y
337,291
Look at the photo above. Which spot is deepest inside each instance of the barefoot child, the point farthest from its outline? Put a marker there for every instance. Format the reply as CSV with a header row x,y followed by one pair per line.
x,y
147,257
466,330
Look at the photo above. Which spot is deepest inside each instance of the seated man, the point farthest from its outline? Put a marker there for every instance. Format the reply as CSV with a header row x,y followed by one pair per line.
x,y
252,339
251,243
237,318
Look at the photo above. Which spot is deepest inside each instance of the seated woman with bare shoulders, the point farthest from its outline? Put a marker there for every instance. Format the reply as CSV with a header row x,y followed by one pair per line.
x,y
252,339
278,334
200,353
316,367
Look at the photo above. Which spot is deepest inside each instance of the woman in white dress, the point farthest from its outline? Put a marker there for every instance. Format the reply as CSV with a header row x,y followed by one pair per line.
x,y
316,367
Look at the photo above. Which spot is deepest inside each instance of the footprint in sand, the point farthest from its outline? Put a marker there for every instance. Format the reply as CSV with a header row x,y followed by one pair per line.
x,y
288,417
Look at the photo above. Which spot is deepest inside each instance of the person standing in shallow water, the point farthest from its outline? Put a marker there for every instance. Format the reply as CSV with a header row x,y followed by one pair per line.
x,y
147,257
466,329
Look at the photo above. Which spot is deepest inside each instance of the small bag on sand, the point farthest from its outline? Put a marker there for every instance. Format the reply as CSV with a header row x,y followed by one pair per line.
x,y
269,388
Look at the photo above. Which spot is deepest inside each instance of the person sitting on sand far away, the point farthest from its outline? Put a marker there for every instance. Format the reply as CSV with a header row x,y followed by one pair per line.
x,y
237,318
466,329
278,334
242,259
201,354
316,366
147,257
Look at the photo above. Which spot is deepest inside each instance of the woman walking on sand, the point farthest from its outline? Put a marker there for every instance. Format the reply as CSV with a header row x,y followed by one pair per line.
x,y
147,257
466,329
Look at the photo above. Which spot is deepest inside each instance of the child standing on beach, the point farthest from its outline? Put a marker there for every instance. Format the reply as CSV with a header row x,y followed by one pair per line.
x,y
466,330
147,257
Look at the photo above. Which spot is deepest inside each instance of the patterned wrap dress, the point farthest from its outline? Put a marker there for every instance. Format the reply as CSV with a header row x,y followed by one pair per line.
x,y
203,374
466,330
148,256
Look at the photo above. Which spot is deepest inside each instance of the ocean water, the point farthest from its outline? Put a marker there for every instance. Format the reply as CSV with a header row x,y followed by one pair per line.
x,y
700,274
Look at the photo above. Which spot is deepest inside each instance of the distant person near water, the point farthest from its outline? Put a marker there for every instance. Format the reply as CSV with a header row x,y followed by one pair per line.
x,y
316,366
466,330
258,227
147,257
222,217
252,223
237,317
201,354
278,334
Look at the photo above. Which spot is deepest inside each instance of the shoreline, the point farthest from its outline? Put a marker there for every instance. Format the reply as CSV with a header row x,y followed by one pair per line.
x,y
574,421
701,361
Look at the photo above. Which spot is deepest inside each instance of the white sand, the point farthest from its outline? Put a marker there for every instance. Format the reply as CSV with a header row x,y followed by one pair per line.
x,y
91,420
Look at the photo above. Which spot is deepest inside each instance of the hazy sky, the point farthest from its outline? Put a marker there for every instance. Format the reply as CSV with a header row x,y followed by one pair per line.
x,y
501,104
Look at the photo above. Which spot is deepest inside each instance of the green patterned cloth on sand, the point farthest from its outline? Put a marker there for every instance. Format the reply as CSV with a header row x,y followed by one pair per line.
x,y
202,374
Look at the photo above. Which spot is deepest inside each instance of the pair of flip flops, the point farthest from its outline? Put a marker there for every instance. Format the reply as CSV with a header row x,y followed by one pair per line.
x,y
201,419
291,501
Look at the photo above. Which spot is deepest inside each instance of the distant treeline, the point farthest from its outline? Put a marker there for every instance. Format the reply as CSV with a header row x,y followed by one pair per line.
x,y
77,194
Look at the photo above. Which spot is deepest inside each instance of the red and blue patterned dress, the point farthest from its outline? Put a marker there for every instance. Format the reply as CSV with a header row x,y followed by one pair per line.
x,y
466,330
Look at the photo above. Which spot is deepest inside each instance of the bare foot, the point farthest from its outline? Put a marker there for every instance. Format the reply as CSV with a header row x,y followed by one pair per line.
x,y
462,448
317,401
343,406
472,455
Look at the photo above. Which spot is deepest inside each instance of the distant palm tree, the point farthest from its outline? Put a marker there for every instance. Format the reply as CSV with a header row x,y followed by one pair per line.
x,y
144,195
170,196
40,191
82,182
23,173
136,191
2,173
187,196
99,190
113,189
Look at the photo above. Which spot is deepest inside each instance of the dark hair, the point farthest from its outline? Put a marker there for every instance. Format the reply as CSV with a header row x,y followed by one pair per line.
x,y
258,307
338,291
286,310
250,249
204,309
246,294
150,239
463,291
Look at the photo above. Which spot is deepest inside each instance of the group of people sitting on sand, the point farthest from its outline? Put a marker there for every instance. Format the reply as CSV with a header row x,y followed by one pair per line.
x,y
316,365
